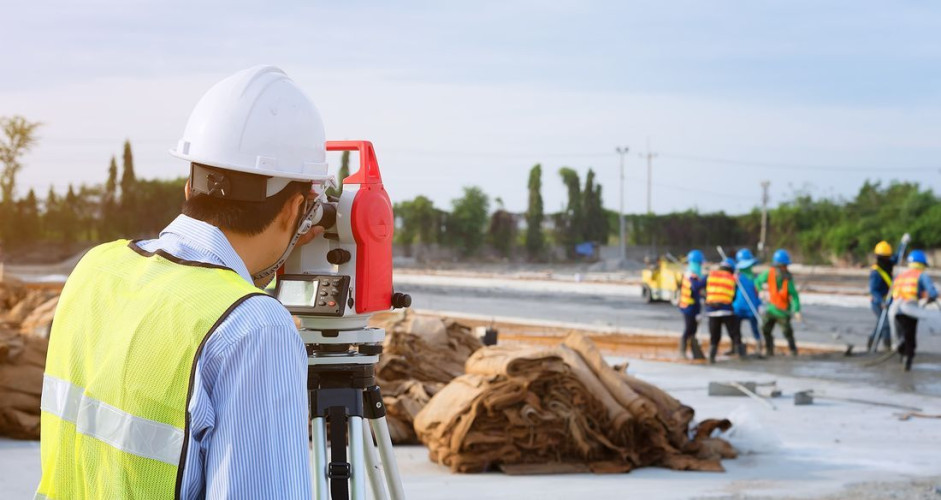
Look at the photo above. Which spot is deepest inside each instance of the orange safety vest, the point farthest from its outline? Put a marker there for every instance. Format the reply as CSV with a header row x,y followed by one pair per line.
x,y
686,291
779,298
720,287
906,285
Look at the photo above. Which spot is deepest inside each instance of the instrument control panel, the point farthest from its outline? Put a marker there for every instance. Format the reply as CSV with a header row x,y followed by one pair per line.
x,y
314,295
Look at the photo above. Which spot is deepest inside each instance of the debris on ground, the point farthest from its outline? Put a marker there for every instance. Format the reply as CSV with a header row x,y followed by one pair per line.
x,y
549,409
22,361
27,309
420,355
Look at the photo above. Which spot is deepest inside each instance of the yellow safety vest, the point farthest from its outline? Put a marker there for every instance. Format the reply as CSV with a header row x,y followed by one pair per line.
x,y
885,275
720,287
906,285
127,331
686,291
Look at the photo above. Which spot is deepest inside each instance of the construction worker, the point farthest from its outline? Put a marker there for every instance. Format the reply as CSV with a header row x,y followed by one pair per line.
x,y
720,293
169,373
690,301
746,301
783,301
880,283
911,291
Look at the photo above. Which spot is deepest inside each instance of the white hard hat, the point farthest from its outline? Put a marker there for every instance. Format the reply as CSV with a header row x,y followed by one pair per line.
x,y
257,121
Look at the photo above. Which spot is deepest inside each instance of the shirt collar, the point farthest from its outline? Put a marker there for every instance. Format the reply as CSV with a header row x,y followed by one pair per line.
x,y
209,239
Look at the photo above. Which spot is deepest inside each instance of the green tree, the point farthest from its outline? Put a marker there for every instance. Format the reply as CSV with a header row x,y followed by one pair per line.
x,y
109,203
468,220
26,225
502,232
419,221
570,222
342,174
595,227
535,239
19,136
130,201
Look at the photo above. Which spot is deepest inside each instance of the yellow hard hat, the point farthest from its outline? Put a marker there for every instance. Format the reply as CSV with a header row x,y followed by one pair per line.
x,y
883,248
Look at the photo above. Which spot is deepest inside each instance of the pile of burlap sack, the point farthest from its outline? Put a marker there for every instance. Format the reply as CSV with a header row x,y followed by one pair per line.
x,y
420,355
25,319
563,409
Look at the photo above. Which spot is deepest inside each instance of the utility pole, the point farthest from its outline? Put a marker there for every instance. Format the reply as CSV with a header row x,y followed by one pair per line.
x,y
622,152
764,217
650,156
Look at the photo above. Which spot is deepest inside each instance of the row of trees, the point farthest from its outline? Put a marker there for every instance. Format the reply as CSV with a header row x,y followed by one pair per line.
x,y
468,227
121,206
818,229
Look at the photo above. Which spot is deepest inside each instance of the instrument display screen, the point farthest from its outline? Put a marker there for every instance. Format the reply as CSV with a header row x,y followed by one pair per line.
x,y
298,293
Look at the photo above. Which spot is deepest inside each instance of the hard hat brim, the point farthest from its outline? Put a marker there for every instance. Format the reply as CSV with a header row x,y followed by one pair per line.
x,y
254,170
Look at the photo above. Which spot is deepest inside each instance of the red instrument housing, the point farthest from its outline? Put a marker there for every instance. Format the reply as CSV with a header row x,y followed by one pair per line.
x,y
373,224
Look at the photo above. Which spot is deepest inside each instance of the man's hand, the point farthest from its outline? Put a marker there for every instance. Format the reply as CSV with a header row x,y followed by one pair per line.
x,y
798,317
310,235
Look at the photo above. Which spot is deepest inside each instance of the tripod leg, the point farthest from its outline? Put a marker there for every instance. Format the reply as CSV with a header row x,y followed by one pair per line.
x,y
389,466
318,462
373,467
357,465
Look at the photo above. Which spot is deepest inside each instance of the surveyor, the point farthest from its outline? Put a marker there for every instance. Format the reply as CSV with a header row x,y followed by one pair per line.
x,y
169,373
783,301
880,283
720,293
911,291
690,301
746,304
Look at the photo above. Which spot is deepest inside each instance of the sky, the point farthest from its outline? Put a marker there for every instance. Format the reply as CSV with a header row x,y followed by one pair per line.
x,y
812,96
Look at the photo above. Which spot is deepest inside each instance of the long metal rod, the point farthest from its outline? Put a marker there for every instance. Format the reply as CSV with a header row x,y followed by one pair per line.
x,y
373,467
390,466
318,466
357,465
621,242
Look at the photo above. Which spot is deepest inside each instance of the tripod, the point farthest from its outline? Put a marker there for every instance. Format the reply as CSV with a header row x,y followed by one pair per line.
x,y
343,393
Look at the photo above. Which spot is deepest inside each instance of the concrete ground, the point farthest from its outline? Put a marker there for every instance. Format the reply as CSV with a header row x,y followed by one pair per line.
x,y
821,450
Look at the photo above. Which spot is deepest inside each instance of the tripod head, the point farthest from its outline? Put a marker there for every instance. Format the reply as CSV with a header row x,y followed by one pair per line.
x,y
335,282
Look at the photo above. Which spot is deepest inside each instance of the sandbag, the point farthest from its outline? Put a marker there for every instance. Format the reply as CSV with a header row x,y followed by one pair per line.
x,y
542,410
22,362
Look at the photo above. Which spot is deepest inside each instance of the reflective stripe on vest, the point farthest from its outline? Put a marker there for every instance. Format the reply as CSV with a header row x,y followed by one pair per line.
x,y
779,298
885,275
686,291
906,285
127,331
720,287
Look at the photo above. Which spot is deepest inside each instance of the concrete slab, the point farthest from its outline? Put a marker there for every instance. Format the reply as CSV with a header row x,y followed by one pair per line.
x,y
794,451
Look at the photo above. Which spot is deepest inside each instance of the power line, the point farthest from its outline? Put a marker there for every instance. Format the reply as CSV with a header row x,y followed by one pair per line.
x,y
795,166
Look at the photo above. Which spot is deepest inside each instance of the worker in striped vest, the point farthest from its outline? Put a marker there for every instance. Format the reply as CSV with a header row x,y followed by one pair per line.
x,y
720,293
910,292
689,304
783,301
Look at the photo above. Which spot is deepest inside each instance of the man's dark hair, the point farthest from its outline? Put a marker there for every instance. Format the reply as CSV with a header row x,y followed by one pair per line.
x,y
242,217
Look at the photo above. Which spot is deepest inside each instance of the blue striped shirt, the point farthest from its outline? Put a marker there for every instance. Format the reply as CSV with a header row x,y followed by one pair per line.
x,y
248,412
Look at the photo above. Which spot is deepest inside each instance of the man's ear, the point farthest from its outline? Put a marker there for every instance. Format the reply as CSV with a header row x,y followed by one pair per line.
x,y
291,212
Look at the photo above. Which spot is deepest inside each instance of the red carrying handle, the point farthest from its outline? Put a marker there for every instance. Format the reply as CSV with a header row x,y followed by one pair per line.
x,y
368,172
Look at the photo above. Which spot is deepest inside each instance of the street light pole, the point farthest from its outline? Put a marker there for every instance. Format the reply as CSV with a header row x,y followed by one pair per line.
x,y
622,152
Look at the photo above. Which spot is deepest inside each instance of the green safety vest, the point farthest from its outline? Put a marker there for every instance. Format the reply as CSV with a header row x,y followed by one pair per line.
x,y
126,335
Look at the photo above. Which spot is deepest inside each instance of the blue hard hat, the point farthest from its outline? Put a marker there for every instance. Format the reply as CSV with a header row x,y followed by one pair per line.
x,y
695,256
781,257
728,262
743,254
918,256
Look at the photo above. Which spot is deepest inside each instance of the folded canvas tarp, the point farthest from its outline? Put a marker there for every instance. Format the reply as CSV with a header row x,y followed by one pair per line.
x,y
532,409
421,354
22,359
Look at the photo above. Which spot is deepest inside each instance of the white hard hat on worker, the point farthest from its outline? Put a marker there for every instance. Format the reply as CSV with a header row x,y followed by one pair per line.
x,y
257,121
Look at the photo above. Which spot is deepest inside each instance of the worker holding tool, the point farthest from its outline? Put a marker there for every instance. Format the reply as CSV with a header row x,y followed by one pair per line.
x,y
170,374
880,283
720,293
911,291
783,301
689,304
746,301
